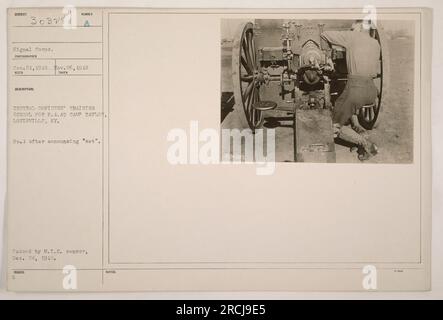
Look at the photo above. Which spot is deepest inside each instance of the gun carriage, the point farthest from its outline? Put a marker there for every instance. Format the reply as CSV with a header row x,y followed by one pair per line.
x,y
285,65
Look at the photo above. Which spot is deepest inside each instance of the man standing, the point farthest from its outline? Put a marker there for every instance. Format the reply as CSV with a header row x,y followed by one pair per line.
x,y
362,58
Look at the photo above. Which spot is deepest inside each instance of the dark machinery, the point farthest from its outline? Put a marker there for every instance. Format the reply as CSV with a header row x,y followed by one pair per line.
x,y
286,65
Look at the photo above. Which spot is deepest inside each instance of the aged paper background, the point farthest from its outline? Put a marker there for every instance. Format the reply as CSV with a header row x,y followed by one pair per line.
x,y
319,216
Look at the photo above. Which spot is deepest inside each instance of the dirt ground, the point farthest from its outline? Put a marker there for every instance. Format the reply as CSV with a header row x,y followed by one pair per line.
x,y
394,133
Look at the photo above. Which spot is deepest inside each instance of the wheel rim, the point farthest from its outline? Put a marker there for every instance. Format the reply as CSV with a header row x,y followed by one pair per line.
x,y
368,116
248,68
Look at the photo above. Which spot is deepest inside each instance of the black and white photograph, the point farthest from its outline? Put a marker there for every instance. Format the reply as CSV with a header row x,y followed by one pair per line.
x,y
333,90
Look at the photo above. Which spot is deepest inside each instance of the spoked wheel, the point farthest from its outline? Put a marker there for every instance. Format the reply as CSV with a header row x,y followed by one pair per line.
x,y
245,70
369,116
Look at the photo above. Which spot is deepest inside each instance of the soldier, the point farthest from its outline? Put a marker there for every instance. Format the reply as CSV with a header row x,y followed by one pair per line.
x,y
362,58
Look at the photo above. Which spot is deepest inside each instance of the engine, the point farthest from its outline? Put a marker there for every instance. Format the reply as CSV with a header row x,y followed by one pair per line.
x,y
301,64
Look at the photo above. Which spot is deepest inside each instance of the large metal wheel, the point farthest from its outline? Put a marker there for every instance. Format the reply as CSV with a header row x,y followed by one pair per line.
x,y
245,70
368,117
